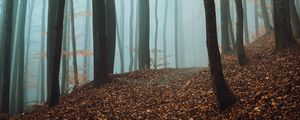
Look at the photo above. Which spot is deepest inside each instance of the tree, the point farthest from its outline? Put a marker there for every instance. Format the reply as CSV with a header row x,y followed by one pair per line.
x,y
156,34
6,39
43,61
282,25
20,93
246,30
176,34
136,56
256,18
242,59
224,27
74,44
131,36
295,22
111,33
144,23
87,36
225,97
231,33
265,15
54,44
65,60
165,33
100,43
121,37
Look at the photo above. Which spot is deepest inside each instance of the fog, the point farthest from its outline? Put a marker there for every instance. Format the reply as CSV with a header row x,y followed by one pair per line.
x,y
191,35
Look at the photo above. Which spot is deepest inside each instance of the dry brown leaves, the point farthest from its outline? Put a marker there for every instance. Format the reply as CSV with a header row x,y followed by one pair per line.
x,y
269,88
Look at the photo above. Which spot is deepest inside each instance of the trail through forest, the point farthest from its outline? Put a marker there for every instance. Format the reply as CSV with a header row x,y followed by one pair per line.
x,y
268,88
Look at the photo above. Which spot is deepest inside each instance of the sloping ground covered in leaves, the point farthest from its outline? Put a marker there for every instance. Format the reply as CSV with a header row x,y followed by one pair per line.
x,y
269,88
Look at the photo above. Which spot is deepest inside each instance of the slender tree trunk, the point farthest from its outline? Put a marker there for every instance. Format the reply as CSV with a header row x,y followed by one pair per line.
x,y
282,25
120,47
87,36
100,43
224,27
265,15
64,47
256,19
144,51
111,33
55,31
231,33
295,22
136,59
176,35
156,34
43,61
246,30
122,37
225,97
74,45
20,87
6,38
131,35
242,59
165,33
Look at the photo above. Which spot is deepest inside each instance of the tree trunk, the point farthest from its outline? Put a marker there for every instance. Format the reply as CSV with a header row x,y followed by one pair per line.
x,y
100,43
122,36
265,15
231,33
256,19
246,30
144,23
224,27
55,31
6,38
225,97
131,35
43,61
136,59
111,33
165,33
156,34
282,25
242,59
87,38
295,22
176,35
22,19
74,45
64,47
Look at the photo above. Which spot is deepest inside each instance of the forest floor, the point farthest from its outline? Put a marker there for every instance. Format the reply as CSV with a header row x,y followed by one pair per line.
x,y
268,88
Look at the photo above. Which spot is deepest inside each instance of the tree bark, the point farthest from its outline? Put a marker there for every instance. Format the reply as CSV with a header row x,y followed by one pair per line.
x,y
74,48
265,15
100,43
282,25
295,22
43,61
144,23
242,59
111,33
156,34
224,27
246,30
87,36
6,39
165,33
131,51
225,97
55,31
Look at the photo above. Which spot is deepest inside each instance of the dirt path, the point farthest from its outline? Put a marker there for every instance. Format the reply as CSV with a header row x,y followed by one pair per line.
x,y
163,77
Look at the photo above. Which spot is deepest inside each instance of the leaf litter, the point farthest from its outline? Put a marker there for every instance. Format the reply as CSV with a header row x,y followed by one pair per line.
x,y
268,88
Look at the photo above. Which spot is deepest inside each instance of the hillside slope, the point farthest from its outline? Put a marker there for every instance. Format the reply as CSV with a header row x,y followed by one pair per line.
x,y
269,88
